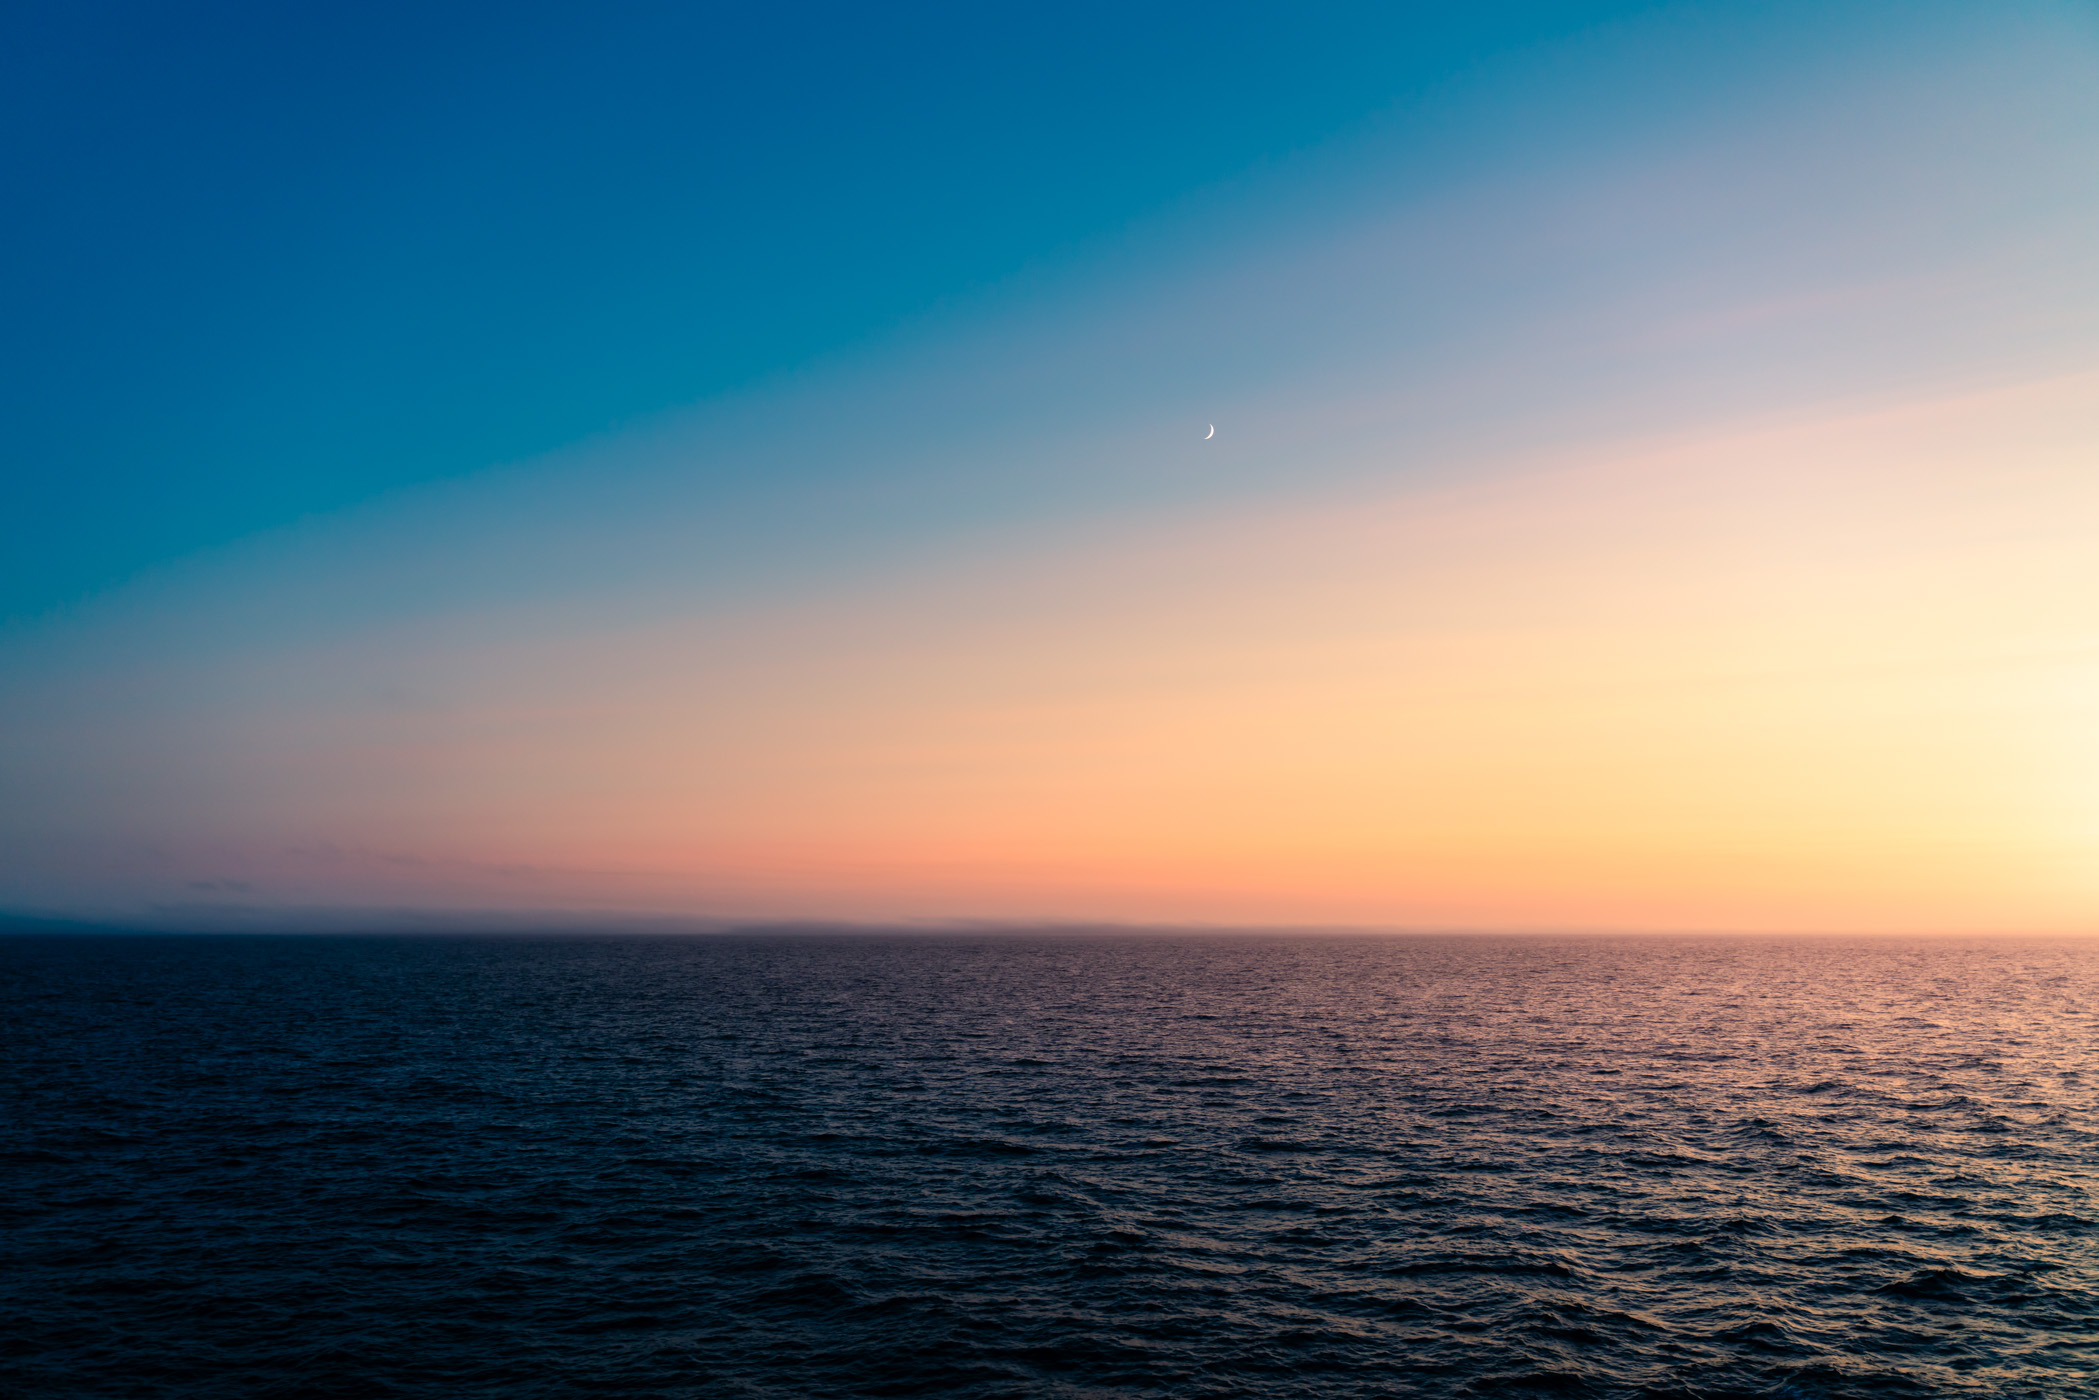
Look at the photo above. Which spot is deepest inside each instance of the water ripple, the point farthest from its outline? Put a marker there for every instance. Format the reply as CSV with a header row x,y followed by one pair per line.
x,y
1049,1166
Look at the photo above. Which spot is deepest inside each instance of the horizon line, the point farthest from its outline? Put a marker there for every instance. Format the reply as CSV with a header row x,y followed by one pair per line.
x,y
311,921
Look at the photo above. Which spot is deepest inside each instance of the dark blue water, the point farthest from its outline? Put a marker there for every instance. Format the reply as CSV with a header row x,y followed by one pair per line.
x,y
1022,1166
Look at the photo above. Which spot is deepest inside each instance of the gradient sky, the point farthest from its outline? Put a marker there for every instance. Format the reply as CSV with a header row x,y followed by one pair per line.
x,y
683,463
264,260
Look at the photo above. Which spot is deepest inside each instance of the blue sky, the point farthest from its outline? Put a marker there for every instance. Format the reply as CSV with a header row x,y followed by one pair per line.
x,y
265,261
657,464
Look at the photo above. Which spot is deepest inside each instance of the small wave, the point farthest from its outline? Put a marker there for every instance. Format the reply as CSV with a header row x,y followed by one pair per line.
x,y
1934,1285
808,1291
1482,1264
976,1147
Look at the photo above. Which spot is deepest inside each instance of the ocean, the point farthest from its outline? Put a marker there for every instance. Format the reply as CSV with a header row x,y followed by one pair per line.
x,y
1058,1165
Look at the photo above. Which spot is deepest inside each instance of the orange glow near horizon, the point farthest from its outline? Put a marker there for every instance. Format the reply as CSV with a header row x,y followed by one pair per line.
x,y
1655,486
1836,675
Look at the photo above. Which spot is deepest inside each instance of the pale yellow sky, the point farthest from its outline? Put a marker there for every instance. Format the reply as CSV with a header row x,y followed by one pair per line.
x,y
1645,513
1841,674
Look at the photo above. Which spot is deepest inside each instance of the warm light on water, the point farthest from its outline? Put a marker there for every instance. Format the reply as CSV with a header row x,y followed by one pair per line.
x,y
1019,1165
513,518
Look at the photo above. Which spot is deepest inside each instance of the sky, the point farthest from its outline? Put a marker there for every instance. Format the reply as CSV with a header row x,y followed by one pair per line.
x,y
1556,467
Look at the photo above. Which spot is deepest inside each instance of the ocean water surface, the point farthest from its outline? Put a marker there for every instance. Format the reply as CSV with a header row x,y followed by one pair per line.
x,y
1059,1166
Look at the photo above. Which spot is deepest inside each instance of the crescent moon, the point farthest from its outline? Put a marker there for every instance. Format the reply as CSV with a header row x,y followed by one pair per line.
x,y
1212,433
